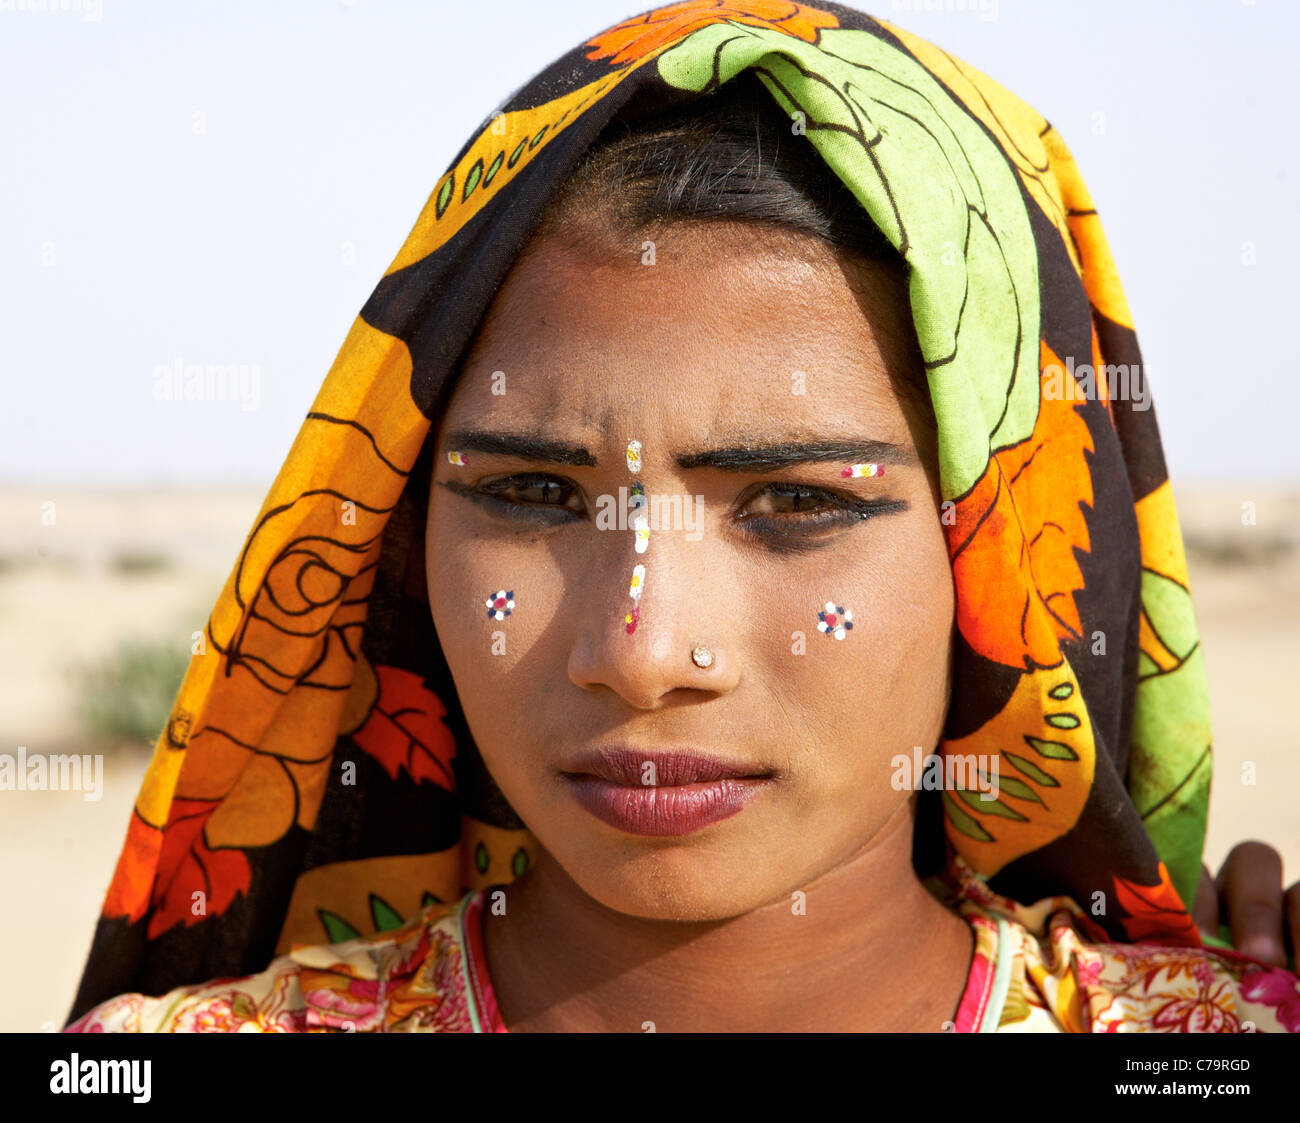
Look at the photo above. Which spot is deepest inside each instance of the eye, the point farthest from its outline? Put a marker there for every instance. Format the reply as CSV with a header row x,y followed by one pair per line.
x,y
545,491
794,516
531,497
789,499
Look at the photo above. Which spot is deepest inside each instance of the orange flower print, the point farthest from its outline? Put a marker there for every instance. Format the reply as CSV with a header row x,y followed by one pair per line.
x,y
187,865
1013,542
128,894
405,729
1155,912
306,616
642,35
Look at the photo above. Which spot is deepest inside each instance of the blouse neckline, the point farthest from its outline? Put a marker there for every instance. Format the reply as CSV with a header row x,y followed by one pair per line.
x,y
979,1009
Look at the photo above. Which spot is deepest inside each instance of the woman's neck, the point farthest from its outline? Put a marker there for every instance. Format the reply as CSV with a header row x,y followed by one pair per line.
x,y
871,949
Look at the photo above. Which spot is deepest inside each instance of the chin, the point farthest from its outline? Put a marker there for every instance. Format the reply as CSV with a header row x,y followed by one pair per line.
x,y
679,881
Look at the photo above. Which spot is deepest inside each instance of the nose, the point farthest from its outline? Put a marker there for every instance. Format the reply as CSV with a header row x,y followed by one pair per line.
x,y
681,608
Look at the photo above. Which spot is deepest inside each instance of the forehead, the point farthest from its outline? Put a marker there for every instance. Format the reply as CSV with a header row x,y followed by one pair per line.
x,y
727,328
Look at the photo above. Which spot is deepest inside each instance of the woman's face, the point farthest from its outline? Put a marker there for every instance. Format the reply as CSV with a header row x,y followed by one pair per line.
x,y
734,364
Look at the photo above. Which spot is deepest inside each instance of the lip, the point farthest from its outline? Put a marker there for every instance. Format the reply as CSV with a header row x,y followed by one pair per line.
x,y
662,792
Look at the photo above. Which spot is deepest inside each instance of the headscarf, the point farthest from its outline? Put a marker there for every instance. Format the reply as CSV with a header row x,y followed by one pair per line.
x,y
316,779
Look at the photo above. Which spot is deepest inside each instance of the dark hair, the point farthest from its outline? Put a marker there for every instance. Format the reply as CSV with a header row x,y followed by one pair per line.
x,y
729,156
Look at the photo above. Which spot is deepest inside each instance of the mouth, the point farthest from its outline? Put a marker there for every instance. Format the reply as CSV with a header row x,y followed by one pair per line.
x,y
658,792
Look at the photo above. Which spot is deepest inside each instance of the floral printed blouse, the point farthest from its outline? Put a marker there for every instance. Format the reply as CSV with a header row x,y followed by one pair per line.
x,y
1036,969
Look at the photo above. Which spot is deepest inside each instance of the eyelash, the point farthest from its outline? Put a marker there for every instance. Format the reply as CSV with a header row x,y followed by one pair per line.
x,y
844,510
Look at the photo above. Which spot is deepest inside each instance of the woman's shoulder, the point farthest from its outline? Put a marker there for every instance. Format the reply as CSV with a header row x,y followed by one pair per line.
x,y
412,978
1048,968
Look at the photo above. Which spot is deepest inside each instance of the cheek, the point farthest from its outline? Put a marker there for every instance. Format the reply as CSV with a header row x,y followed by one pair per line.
x,y
908,676
916,613
495,652
883,687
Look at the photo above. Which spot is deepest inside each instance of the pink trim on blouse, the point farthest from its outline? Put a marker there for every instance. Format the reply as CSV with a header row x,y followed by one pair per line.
x,y
979,979
484,997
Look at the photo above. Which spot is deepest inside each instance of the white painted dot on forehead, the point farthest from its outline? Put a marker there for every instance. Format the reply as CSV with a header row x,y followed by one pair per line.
x,y
641,534
640,520
634,591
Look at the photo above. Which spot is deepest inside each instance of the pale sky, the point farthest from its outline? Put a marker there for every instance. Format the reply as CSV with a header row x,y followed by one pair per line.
x,y
226,183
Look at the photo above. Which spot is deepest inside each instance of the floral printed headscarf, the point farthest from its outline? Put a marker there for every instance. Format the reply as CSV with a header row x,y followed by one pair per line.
x,y
317,781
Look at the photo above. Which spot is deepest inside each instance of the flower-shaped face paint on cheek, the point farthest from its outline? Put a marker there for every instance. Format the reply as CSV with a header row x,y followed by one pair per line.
x,y
835,620
500,604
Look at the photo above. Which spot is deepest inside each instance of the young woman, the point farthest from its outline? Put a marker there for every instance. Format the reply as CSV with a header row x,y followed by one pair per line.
x,y
728,581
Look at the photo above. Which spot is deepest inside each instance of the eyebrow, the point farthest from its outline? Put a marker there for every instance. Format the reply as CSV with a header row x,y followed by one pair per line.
x,y
757,458
765,458
526,446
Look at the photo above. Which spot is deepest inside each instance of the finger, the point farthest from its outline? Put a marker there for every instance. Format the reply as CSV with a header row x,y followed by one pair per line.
x,y
1206,909
1250,884
1291,905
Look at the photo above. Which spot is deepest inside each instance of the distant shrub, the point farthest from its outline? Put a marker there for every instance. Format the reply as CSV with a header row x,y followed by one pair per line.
x,y
128,695
1253,548
137,563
